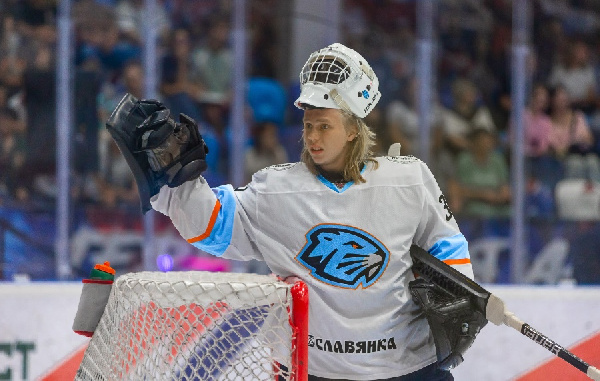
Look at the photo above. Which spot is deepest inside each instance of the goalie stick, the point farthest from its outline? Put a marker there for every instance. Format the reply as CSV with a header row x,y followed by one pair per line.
x,y
451,280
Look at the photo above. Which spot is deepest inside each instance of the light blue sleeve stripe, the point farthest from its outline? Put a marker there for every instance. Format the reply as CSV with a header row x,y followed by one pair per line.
x,y
220,236
455,247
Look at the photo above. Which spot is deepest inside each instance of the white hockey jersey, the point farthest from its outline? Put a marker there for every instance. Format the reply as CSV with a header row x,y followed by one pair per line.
x,y
350,246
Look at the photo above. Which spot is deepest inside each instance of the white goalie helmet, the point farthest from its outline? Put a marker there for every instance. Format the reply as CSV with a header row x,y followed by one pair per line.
x,y
338,77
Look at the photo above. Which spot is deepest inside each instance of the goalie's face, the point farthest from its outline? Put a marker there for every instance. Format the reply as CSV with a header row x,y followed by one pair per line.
x,y
327,138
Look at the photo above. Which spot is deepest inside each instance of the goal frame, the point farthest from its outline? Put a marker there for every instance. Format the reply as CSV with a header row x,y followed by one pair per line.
x,y
299,325
158,290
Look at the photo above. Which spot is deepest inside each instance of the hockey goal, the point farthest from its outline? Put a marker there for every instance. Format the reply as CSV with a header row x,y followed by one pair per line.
x,y
200,326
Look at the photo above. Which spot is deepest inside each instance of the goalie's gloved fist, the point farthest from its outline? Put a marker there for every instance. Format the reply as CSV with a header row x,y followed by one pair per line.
x,y
176,152
454,321
159,150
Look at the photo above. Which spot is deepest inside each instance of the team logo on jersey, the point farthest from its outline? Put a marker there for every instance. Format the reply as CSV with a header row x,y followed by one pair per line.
x,y
343,256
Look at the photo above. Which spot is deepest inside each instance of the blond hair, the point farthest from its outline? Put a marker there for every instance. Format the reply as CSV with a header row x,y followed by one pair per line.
x,y
358,153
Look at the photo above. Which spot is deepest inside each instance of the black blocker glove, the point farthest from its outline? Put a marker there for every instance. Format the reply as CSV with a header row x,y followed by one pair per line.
x,y
158,150
454,321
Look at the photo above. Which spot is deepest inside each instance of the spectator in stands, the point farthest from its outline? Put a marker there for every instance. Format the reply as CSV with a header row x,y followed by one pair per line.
x,y
401,54
114,52
215,62
550,44
264,40
482,174
537,123
11,46
402,119
467,16
465,115
194,15
543,170
571,139
39,85
578,17
99,44
480,71
35,19
266,149
131,16
539,198
577,76
116,185
180,82
12,67
214,129
85,157
131,81
12,100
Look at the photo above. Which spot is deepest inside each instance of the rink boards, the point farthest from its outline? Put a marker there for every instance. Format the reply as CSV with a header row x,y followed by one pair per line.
x,y
36,340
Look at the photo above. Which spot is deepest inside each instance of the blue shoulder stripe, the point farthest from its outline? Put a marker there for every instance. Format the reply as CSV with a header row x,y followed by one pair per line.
x,y
220,236
455,247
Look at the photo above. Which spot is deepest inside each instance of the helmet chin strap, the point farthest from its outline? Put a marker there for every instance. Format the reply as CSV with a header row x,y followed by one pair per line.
x,y
337,98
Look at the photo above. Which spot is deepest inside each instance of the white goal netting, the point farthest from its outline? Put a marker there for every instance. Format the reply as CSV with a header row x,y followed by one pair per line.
x,y
199,326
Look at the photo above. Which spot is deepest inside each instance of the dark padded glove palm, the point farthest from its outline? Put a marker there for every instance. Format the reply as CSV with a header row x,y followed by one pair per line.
x,y
158,150
454,321
175,151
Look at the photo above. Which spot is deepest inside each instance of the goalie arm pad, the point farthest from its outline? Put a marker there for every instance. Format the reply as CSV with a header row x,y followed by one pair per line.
x,y
158,150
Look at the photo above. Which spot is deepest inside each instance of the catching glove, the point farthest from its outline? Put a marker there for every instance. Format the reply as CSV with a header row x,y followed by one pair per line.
x,y
158,150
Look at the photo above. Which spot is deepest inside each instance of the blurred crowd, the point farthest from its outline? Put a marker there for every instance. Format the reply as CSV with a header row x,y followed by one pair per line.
x,y
472,132
194,77
471,114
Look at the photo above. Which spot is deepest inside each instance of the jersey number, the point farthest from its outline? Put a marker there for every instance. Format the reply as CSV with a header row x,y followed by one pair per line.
x,y
443,201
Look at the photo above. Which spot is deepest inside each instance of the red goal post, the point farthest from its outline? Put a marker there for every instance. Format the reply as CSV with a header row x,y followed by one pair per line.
x,y
200,326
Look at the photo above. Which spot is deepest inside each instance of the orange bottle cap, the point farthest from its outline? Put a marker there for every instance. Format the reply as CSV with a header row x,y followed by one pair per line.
x,y
105,267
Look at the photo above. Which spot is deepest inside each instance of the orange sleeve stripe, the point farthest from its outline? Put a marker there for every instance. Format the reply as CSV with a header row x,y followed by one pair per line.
x,y
462,261
211,224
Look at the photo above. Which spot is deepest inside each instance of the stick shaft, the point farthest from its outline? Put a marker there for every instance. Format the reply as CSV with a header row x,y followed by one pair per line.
x,y
512,321
554,348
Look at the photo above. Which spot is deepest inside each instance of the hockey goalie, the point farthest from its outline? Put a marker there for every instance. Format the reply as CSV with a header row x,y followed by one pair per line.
x,y
341,219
